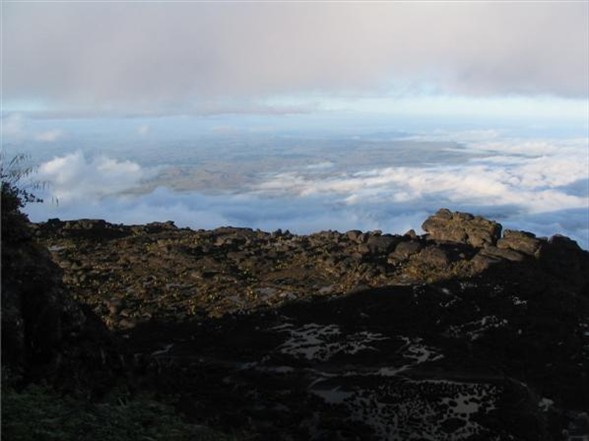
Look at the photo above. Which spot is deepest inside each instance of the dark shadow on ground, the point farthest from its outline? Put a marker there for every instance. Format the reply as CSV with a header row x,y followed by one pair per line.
x,y
462,359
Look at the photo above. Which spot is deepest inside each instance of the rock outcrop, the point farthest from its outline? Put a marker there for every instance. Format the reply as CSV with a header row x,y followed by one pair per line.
x,y
129,274
447,226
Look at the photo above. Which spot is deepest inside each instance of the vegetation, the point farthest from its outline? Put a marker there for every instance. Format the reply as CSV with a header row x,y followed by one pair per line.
x,y
39,413
15,195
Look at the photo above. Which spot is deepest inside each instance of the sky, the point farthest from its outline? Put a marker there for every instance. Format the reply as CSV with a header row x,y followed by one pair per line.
x,y
110,99
163,57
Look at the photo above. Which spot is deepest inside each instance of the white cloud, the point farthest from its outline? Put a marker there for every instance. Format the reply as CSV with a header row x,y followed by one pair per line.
x,y
545,191
528,183
74,179
17,128
50,135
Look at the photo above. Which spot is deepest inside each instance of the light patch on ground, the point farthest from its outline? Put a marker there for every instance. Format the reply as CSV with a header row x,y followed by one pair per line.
x,y
411,410
475,329
321,342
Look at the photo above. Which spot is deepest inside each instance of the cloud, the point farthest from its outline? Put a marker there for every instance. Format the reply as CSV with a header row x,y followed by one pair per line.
x,y
77,180
143,130
152,57
49,136
534,176
17,128
13,126
539,186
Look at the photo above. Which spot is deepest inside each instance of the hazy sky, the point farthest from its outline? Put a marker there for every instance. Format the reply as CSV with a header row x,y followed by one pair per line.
x,y
179,57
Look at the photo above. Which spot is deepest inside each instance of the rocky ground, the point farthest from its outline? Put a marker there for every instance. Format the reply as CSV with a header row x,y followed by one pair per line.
x,y
134,273
465,332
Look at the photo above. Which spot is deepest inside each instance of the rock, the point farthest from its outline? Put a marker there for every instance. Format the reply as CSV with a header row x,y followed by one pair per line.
x,y
127,323
448,226
91,224
41,321
157,227
382,244
149,269
434,256
354,235
411,234
406,249
563,257
520,241
451,425
113,306
363,249
481,262
501,253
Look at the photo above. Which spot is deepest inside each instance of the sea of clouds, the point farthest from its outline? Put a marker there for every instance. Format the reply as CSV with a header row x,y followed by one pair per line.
x,y
537,185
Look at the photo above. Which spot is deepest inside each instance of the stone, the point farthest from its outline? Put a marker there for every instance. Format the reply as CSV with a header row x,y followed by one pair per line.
x,y
482,262
406,249
448,226
501,253
382,244
411,234
562,256
520,241
434,256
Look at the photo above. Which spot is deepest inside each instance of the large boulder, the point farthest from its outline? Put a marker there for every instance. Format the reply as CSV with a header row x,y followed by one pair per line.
x,y
448,226
562,256
520,241
382,244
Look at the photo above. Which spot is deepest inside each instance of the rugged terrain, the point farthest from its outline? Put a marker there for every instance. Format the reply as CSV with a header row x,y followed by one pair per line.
x,y
465,332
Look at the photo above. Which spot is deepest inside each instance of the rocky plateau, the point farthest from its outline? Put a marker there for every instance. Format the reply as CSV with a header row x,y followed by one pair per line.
x,y
466,332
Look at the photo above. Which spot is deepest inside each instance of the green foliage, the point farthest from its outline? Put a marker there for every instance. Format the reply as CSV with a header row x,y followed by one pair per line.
x,y
15,195
38,413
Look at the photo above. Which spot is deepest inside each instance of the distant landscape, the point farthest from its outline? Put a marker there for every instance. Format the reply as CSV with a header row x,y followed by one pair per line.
x,y
207,172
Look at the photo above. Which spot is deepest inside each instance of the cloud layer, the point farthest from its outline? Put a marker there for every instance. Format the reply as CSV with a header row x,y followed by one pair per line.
x,y
537,186
148,57
76,181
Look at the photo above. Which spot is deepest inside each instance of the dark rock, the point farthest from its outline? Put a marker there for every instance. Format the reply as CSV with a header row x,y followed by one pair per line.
x,y
91,224
353,235
448,226
411,234
563,256
127,323
433,256
363,249
481,262
520,241
32,300
406,249
451,425
501,253
47,335
382,244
